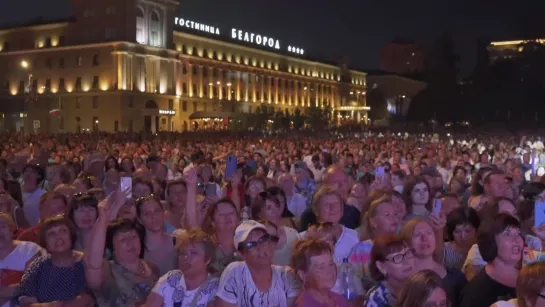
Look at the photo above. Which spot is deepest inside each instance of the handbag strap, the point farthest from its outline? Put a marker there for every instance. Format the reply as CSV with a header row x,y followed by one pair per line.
x,y
196,297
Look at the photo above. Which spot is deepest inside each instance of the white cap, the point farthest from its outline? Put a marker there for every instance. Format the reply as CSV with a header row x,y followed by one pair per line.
x,y
244,229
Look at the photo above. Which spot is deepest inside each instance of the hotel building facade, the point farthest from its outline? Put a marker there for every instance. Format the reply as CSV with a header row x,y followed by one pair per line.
x,y
120,65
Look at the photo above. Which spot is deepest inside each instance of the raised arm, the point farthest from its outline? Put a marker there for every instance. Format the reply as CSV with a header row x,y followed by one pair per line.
x,y
95,268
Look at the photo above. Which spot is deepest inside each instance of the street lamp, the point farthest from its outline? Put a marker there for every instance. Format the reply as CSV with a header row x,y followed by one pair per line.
x,y
24,64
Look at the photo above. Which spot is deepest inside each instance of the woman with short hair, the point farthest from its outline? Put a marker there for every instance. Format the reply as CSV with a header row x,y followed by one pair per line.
x,y
392,261
190,284
126,279
313,263
59,276
501,245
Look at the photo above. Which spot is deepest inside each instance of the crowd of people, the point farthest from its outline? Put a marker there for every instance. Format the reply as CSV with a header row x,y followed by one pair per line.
x,y
354,219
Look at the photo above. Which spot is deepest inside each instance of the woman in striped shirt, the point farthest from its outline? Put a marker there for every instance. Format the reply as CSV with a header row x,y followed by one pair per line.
x,y
461,234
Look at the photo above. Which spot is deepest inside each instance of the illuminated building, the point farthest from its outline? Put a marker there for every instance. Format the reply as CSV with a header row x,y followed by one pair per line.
x,y
502,50
124,68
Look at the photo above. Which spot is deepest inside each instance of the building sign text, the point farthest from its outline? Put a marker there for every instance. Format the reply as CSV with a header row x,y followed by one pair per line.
x,y
196,26
255,38
167,112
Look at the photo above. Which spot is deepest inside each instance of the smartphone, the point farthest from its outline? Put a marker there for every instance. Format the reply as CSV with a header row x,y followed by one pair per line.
x,y
379,171
231,166
437,204
539,213
126,186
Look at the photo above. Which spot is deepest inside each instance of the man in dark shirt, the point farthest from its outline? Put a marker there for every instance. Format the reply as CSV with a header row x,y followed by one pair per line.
x,y
336,177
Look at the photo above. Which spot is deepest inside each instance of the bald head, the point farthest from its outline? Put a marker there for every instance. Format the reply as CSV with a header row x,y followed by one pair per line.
x,y
336,177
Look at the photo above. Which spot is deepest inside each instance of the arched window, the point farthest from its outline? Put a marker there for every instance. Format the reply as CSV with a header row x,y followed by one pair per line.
x,y
140,26
155,29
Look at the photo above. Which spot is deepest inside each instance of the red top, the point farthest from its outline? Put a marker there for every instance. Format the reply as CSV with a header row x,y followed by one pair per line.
x,y
30,235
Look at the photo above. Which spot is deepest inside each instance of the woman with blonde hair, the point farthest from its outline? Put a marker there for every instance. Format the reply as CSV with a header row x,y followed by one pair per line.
x,y
428,248
424,288
530,287
328,206
190,284
380,218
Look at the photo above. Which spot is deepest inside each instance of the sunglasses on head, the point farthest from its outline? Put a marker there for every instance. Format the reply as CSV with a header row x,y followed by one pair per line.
x,y
249,245
146,197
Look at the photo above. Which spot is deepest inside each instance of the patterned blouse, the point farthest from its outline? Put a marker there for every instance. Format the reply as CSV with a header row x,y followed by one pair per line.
x,y
379,296
172,288
37,282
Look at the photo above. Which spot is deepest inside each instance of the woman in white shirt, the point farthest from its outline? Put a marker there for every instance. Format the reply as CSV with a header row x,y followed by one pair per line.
x,y
190,284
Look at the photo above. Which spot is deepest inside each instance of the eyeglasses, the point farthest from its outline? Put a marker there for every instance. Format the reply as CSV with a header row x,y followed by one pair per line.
x,y
397,259
146,197
250,245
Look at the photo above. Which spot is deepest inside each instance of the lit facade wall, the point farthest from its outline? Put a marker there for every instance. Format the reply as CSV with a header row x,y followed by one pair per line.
x,y
112,85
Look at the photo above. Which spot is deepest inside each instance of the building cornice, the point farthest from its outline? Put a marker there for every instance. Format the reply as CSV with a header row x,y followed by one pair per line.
x,y
255,50
40,27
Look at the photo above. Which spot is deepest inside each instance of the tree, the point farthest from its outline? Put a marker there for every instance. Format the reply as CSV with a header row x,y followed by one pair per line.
x,y
379,106
298,119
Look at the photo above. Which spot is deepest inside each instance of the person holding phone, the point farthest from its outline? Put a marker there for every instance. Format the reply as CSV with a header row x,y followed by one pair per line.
x,y
206,183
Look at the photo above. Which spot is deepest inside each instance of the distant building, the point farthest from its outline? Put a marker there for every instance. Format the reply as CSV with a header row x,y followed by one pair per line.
x,y
503,50
136,66
402,57
397,90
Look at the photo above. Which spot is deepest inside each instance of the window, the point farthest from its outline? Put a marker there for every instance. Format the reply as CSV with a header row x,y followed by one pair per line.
x,y
184,69
204,72
155,29
110,33
194,89
116,126
214,92
224,74
61,84
48,42
89,13
62,41
140,25
184,88
110,10
224,93
154,38
194,106
22,86
214,73
205,91
79,61
95,82
194,68
184,106
78,83
95,102
78,102
61,62
171,104
48,63
95,60
205,105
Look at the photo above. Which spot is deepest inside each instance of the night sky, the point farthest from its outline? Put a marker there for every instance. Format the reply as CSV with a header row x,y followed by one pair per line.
x,y
357,29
